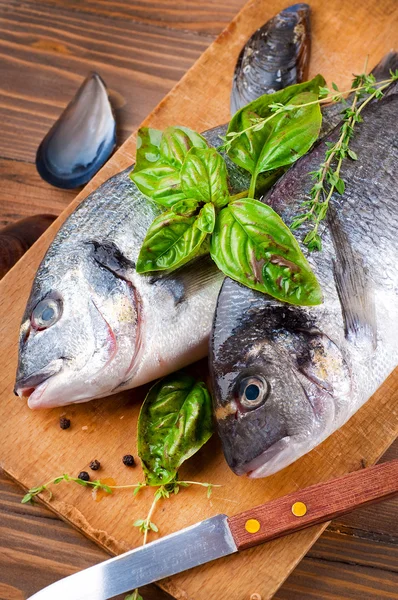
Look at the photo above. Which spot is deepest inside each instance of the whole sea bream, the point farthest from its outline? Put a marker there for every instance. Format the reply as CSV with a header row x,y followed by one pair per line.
x,y
92,325
285,377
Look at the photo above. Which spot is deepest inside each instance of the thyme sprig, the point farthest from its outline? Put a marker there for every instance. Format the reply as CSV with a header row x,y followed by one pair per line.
x,y
98,485
327,96
95,485
327,177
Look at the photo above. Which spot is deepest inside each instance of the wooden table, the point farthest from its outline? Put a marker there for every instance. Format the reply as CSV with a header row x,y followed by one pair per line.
x,y
141,49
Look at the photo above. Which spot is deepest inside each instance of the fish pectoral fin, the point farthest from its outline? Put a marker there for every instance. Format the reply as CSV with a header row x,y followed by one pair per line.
x,y
190,279
354,287
108,255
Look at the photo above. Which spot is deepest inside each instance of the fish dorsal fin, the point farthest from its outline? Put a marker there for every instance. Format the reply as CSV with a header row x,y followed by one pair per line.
x,y
189,279
354,287
109,255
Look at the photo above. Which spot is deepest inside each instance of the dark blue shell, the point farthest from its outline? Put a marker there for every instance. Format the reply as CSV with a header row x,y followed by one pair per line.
x,y
82,139
277,55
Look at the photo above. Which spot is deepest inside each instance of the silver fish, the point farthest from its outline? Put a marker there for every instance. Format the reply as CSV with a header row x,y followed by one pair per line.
x,y
92,325
286,377
276,55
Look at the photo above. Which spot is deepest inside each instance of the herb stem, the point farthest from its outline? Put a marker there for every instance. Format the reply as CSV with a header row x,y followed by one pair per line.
x,y
252,190
198,483
125,487
148,519
243,194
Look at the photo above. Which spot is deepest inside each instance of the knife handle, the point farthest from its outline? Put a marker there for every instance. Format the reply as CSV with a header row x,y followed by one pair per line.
x,y
316,504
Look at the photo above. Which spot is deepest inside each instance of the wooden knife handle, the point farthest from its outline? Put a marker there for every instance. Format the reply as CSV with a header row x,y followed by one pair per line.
x,y
316,504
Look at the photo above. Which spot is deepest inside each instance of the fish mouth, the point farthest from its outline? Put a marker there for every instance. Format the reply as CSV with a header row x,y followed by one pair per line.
x,y
273,459
34,385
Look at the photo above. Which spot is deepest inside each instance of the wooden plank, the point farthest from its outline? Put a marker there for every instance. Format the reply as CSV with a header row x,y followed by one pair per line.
x,y
138,62
344,568
207,17
33,446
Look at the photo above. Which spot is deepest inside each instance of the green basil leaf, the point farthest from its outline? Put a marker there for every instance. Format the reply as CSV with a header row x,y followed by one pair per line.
x,y
204,176
292,135
159,159
207,218
246,149
187,207
176,142
252,245
174,422
161,183
171,241
148,148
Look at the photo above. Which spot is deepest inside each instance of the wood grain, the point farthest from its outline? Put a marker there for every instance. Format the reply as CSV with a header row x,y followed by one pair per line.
x,y
344,568
33,446
323,502
139,64
209,16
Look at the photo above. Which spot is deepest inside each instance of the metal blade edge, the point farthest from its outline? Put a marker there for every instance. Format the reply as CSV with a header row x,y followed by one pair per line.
x,y
179,551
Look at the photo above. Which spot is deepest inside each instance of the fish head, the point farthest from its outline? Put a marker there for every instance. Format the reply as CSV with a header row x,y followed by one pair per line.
x,y
278,381
79,334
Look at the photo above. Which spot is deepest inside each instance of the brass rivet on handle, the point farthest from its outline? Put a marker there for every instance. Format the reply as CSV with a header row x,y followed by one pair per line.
x,y
252,526
299,509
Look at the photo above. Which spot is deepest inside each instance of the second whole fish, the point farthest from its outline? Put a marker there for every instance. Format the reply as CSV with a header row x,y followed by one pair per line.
x,y
286,377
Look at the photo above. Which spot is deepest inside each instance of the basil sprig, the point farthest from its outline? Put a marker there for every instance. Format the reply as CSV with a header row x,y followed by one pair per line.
x,y
198,185
247,240
174,422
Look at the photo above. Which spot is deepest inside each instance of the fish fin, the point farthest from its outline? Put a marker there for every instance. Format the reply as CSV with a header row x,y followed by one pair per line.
x,y
189,279
353,285
108,255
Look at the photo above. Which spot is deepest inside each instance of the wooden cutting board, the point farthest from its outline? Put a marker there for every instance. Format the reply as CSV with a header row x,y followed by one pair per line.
x,y
34,449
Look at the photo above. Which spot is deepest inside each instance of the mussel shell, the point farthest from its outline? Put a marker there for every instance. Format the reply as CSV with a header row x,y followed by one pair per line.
x,y
82,139
277,55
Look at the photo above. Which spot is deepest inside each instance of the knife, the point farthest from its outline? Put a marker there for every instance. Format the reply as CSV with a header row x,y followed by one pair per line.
x,y
221,535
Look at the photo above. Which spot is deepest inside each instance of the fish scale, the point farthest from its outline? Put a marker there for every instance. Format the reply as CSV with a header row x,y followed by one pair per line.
x,y
348,344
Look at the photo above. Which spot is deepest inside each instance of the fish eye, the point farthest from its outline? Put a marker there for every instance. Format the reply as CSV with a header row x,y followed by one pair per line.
x,y
46,313
253,391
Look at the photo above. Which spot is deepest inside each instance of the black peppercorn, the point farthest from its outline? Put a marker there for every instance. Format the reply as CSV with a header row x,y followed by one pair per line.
x,y
84,476
128,460
95,465
64,423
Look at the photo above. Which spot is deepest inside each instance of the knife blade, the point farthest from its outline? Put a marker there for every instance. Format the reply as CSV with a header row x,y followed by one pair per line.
x,y
221,535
